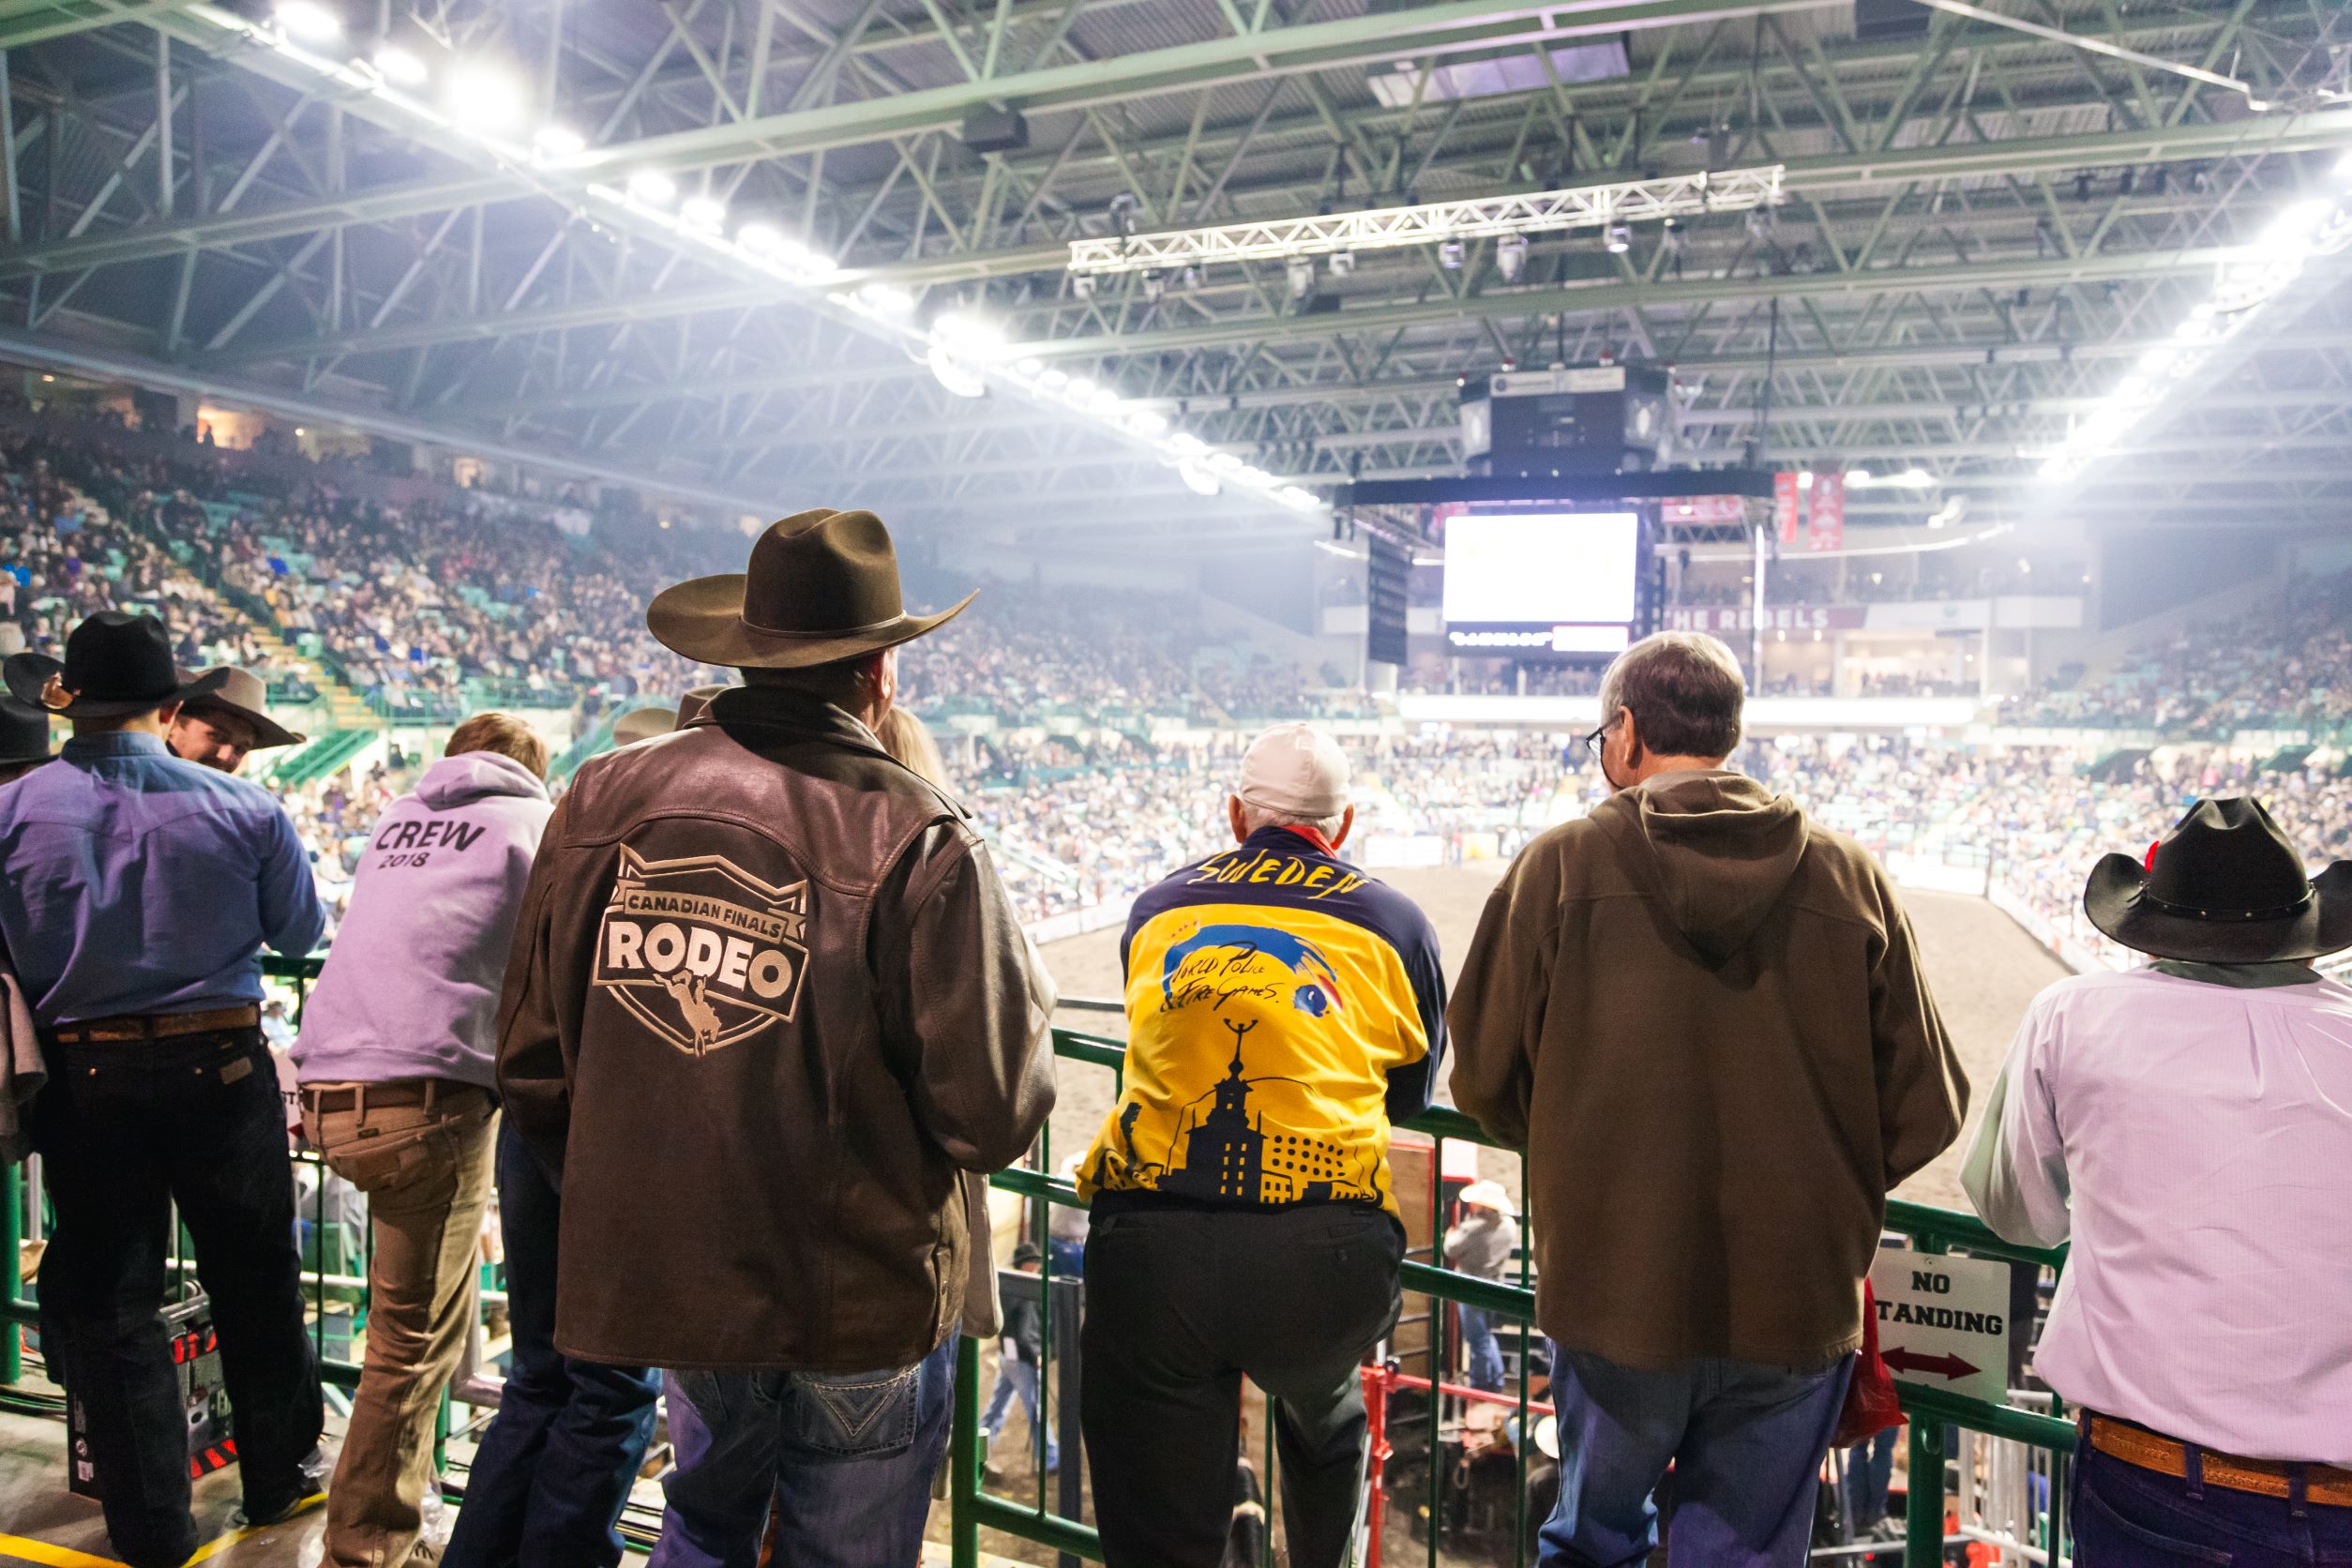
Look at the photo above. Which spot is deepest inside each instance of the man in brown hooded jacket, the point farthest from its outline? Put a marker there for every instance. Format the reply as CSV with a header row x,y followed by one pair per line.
x,y
1701,1015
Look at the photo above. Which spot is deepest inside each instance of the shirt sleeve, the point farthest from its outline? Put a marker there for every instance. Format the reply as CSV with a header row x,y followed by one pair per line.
x,y
1412,1085
1497,1010
2015,1172
293,917
1923,1092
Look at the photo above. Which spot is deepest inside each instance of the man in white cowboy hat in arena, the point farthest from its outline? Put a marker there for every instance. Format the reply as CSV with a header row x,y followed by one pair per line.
x,y
1480,1244
773,956
2187,1128
135,891
219,729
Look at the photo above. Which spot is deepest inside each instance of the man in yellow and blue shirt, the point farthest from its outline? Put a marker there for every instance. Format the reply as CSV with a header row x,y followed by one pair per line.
x,y
1283,1010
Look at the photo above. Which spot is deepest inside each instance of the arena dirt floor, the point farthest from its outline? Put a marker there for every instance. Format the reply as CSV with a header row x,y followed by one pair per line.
x,y
1981,967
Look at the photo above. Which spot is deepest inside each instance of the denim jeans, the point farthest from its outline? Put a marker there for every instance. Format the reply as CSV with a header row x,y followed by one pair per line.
x,y
125,1131
1482,1351
845,1457
1746,1441
1869,1473
555,1466
1015,1376
1181,1304
2128,1517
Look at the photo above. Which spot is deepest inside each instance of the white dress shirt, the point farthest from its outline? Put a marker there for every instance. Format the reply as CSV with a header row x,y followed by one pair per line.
x,y
2193,1140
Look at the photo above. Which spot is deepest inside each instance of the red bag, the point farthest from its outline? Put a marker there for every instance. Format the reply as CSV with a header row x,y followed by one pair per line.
x,y
1870,1406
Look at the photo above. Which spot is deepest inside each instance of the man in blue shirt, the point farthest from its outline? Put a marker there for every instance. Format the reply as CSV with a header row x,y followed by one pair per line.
x,y
135,891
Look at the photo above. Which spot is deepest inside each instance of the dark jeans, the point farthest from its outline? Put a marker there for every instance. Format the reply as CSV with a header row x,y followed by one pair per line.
x,y
2128,1517
844,1460
125,1131
556,1464
1181,1304
1746,1441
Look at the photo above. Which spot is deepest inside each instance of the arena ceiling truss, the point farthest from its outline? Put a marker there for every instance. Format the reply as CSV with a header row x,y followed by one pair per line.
x,y
537,247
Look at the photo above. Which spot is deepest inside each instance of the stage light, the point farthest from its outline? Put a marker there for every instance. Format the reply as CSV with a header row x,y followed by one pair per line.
x,y
1302,499
1511,256
760,239
653,188
1620,238
559,142
1080,390
1343,263
2343,169
1300,270
1914,478
1197,479
957,375
398,66
1030,365
969,334
1856,478
887,298
1053,379
704,212
1450,254
482,98
1145,421
2290,232
307,20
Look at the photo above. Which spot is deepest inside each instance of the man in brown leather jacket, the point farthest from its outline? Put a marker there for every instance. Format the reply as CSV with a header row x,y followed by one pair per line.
x,y
768,1002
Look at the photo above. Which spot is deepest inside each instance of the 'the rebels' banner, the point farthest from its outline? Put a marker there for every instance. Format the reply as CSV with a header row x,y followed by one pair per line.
x,y
1785,506
1829,511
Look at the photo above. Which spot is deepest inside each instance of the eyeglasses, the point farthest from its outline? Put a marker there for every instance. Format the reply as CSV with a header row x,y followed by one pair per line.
x,y
1592,742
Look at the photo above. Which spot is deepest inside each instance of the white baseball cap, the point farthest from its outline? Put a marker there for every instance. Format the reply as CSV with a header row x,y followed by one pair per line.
x,y
1294,770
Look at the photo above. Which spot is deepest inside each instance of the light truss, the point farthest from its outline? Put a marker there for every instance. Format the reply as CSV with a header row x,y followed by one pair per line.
x,y
1386,228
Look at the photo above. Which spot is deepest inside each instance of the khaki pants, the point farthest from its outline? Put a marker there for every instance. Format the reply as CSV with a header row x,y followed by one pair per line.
x,y
426,1169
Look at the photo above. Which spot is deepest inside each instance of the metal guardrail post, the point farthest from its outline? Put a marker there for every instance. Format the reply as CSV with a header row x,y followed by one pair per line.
x,y
1924,1497
963,1461
11,1224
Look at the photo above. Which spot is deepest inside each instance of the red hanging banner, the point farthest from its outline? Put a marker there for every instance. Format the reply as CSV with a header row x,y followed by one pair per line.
x,y
1829,511
1785,506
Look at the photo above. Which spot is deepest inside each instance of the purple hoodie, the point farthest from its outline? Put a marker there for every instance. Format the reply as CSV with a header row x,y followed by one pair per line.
x,y
411,986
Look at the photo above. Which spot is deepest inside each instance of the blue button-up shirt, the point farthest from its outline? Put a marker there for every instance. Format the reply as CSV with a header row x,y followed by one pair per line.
x,y
132,882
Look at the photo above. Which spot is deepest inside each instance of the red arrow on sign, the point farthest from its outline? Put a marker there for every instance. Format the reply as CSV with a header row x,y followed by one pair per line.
x,y
1948,1367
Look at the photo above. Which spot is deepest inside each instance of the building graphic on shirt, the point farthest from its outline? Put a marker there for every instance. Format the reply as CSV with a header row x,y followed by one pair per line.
x,y
1229,1156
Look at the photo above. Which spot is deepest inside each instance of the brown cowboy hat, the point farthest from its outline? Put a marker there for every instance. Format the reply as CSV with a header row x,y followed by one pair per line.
x,y
242,696
2225,886
643,724
823,587
116,664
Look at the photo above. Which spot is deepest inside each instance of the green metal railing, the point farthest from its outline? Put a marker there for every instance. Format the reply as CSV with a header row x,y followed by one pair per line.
x,y
972,1507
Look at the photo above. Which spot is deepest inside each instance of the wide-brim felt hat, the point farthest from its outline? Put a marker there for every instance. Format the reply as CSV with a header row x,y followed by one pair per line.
x,y
643,724
243,695
23,732
822,586
116,664
2225,886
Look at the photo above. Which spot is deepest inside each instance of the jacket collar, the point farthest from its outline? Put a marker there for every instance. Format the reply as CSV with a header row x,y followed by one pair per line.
x,y
781,708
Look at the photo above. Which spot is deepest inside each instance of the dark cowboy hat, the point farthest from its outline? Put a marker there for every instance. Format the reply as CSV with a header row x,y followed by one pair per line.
x,y
242,696
23,732
823,587
116,664
2225,886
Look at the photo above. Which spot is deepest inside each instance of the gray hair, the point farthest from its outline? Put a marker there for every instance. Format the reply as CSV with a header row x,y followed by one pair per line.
x,y
1684,690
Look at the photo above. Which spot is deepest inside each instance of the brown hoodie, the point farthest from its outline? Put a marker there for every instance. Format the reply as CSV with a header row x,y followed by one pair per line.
x,y
1701,1015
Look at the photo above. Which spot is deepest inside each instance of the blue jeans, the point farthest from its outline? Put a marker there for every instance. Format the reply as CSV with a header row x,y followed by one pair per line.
x,y
1069,1257
557,1462
1746,1441
1015,1376
2128,1517
1869,1472
1481,1351
846,1458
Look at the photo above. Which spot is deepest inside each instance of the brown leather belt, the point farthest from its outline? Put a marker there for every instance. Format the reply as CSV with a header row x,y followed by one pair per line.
x,y
391,1092
159,1026
2135,1445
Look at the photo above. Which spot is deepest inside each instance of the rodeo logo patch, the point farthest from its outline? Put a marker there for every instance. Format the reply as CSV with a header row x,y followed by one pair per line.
x,y
703,953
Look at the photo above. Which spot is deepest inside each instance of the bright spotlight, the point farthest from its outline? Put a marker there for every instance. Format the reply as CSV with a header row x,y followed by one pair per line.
x,y
653,188
1292,495
307,20
398,66
887,298
1856,478
559,142
1029,366
1300,270
1052,380
958,376
1196,479
704,212
2343,169
1080,390
1620,238
760,239
484,98
1511,256
1914,478
969,334
1144,421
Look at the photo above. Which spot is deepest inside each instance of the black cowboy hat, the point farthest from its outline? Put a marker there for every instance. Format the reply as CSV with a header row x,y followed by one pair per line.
x,y
23,732
822,586
116,664
242,695
2225,886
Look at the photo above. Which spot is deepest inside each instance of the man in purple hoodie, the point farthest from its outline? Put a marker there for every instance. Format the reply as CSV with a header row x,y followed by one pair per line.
x,y
395,1059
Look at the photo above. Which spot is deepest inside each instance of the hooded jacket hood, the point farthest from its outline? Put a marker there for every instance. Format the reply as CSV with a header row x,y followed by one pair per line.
x,y
1719,848
471,775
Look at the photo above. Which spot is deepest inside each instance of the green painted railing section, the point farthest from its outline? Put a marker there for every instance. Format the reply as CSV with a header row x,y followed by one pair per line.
x,y
972,1508
322,757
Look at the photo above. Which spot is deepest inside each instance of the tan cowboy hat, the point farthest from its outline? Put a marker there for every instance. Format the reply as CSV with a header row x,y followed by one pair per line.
x,y
822,586
243,694
643,724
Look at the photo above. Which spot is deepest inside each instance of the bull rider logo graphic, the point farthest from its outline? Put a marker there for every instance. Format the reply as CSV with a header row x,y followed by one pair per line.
x,y
701,950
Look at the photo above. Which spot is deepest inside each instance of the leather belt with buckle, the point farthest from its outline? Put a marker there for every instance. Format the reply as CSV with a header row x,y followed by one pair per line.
x,y
325,1097
2152,1451
159,1026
